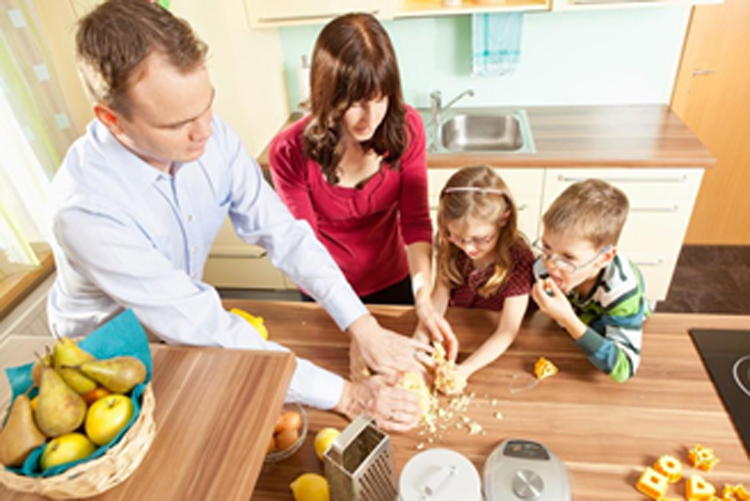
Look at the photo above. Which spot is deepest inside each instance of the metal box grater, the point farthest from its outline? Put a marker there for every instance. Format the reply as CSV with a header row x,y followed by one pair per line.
x,y
359,464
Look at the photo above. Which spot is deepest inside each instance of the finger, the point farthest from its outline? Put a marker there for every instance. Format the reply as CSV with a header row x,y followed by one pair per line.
x,y
425,360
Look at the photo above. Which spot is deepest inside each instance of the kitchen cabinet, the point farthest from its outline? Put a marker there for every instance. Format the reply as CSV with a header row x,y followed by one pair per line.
x,y
557,5
266,14
236,265
661,202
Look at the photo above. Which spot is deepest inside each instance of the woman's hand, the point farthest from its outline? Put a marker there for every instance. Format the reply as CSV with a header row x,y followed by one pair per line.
x,y
393,408
385,351
436,326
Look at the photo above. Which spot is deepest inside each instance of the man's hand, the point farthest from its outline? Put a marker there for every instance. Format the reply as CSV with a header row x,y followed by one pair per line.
x,y
394,409
552,301
385,351
438,328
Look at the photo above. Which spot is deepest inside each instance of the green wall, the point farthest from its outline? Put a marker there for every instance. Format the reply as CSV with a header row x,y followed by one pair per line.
x,y
614,56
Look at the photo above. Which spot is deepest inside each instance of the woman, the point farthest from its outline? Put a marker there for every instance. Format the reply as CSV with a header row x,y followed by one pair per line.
x,y
355,169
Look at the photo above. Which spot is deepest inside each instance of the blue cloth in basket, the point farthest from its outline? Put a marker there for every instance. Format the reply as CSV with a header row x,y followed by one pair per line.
x,y
121,336
496,43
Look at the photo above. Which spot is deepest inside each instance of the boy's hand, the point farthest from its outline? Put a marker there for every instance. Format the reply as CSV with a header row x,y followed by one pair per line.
x,y
552,301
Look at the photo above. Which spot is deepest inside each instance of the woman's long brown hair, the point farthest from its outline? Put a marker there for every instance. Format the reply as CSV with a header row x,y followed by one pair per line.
x,y
483,204
353,61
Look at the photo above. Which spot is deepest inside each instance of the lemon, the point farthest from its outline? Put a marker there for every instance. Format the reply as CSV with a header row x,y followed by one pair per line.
x,y
323,440
256,322
310,487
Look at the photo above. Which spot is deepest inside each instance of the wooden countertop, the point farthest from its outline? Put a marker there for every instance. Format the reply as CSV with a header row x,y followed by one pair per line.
x,y
211,406
591,136
606,433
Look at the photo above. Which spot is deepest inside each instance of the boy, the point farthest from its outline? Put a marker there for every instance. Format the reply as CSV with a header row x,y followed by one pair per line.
x,y
584,284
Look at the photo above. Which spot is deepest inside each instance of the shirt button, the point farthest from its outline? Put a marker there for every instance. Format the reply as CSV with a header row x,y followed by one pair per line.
x,y
193,275
189,218
194,250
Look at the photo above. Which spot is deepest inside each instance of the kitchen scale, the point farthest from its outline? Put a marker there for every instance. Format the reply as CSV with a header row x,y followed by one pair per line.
x,y
525,470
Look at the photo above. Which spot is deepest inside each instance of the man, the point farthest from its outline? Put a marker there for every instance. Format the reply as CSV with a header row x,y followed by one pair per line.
x,y
141,196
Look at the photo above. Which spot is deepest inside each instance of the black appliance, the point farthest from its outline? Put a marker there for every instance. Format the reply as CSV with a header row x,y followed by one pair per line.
x,y
726,355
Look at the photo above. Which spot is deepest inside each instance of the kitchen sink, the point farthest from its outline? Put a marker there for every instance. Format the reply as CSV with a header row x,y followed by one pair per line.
x,y
480,131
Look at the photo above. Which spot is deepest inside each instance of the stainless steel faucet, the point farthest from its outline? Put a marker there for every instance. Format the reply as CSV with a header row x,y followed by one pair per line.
x,y
436,103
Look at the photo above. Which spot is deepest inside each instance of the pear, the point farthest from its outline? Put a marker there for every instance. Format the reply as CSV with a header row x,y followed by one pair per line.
x,y
60,409
118,374
20,435
67,354
42,362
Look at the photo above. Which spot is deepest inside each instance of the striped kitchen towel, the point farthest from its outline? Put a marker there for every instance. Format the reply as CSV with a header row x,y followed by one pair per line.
x,y
496,43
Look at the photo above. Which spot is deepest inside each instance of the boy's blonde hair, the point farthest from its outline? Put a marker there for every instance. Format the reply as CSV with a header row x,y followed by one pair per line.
x,y
488,199
592,210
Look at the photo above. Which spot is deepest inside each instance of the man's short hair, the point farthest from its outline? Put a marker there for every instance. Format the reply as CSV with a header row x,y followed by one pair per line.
x,y
114,39
592,210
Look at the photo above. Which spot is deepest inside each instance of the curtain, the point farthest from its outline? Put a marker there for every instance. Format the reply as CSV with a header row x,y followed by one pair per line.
x,y
35,131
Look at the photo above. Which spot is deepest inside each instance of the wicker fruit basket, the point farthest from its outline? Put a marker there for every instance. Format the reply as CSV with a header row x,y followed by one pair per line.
x,y
94,477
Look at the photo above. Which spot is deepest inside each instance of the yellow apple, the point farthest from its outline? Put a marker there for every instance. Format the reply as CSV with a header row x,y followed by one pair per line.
x,y
66,448
107,416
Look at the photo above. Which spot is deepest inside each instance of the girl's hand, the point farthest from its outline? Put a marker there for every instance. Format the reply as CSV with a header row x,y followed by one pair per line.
x,y
461,375
421,335
438,328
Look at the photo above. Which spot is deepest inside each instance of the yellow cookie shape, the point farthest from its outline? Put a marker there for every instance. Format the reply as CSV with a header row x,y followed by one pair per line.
x,y
653,484
698,489
702,458
415,383
544,368
735,492
670,467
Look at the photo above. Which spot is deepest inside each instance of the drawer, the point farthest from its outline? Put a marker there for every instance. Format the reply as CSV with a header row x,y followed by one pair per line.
x,y
636,183
657,269
519,181
656,224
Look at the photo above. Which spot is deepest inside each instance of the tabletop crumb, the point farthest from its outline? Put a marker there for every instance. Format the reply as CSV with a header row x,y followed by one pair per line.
x,y
498,415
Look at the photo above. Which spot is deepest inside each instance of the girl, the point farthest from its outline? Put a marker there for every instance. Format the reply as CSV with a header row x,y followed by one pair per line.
x,y
356,170
482,259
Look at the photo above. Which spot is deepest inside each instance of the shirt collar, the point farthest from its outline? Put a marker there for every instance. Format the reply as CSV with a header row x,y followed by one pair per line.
x,y
127,163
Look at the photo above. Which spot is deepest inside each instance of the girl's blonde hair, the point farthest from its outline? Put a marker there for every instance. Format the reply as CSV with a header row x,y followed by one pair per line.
x,y
477,192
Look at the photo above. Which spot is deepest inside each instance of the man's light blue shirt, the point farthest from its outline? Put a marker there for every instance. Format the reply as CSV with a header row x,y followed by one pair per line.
x,y
127,235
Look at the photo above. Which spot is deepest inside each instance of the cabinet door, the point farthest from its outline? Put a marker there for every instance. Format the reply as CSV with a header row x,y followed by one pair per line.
x,y
661,202
267,13
620,4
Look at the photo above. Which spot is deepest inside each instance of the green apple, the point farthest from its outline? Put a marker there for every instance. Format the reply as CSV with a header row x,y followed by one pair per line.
x,y
66,448
107,416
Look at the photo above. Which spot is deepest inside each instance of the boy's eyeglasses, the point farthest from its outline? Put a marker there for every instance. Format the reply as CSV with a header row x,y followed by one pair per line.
x,y
563,264
473,241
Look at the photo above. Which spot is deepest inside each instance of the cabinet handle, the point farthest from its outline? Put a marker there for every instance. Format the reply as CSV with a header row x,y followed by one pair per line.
x,y
666,179
239,254
670,208
649,262
305,17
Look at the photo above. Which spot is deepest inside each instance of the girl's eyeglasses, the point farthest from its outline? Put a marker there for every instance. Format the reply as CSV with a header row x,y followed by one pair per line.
x,y
473,241
561,263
